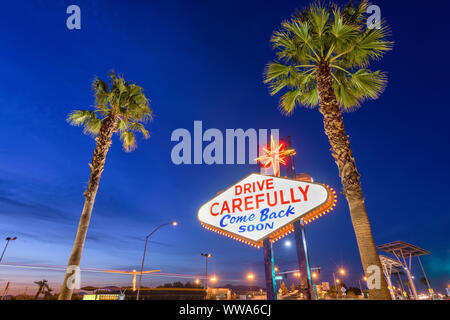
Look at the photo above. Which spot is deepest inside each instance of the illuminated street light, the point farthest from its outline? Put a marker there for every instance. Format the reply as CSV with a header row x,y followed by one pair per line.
x,y
276,269
213,279
206,255
173,223
342,272
251,277
197,281
287,243
314,275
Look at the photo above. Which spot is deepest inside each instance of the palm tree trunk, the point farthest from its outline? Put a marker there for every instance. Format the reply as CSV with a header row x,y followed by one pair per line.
x,y
98,162
341,152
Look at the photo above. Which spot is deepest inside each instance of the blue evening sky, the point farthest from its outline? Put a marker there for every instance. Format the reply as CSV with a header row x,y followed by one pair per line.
x,y
203,60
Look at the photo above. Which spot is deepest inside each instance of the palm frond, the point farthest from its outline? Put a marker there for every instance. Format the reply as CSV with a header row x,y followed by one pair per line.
x,y
87,119
289,100
319,16
139,127
128,140
357,87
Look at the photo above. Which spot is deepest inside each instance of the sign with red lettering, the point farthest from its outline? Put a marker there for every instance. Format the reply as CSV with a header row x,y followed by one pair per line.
x,y
261,206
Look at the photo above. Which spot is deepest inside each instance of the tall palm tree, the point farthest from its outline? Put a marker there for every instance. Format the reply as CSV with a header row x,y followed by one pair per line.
x,y
322,57
122,109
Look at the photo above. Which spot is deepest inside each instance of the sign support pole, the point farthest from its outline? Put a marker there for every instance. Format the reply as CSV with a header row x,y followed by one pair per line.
x,y
269,270
300,237
303,259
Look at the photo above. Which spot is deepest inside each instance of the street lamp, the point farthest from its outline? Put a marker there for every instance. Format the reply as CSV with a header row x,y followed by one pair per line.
x,y
342,272
206,255
336,281
251,277
8,239
174,223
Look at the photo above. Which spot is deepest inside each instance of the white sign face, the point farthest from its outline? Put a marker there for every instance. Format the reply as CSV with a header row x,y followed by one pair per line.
x,y
259,205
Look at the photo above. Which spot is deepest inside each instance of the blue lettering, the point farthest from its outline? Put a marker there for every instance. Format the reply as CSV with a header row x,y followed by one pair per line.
x,y
264,213
290,210
222,224
268,225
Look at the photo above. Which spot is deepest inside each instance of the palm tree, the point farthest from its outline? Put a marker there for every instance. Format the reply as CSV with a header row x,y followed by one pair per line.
x,y
121,109
322,59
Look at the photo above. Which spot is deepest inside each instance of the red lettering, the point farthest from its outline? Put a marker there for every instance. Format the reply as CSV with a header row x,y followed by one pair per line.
x,y
269,183
234,205
247,188
211,209
247,203
236,190
268,200
258,200
304,192
260,186
282,198
293,200
225,207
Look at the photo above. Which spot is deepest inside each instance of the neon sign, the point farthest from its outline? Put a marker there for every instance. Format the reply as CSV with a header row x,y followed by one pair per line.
x,y
274,156
262,206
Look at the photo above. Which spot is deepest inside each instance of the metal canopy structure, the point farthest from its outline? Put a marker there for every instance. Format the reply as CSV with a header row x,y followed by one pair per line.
x,y
401,246
404,252
389,266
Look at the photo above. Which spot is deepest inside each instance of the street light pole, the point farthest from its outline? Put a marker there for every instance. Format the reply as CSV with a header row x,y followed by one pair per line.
x,y
206,255
145,249
250,277
8,239
335,286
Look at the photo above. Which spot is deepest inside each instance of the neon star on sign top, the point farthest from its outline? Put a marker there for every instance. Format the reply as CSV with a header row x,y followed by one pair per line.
x,y
261,206
275,155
